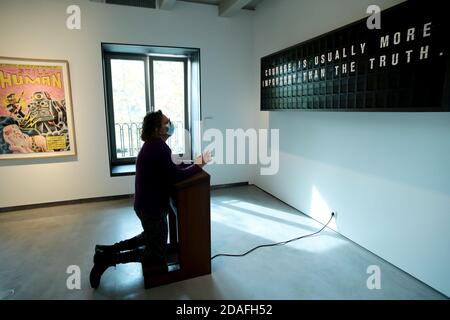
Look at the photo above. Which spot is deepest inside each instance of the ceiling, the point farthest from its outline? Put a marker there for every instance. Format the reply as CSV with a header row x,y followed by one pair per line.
x,y
225,8
251,5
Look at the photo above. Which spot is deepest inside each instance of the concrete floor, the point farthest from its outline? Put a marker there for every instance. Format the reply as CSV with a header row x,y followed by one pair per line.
x,y
38,245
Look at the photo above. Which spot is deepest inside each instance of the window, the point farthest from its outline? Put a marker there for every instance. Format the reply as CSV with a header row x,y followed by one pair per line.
x,y
170,97
140,79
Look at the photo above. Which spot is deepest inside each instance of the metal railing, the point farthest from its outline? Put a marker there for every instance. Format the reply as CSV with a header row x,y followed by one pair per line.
x,y
128,139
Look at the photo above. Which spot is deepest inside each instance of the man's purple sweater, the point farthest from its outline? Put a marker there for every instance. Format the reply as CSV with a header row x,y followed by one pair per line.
x,y
155,174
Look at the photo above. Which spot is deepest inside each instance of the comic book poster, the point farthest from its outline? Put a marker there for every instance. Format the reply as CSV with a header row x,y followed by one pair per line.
x,y
35,109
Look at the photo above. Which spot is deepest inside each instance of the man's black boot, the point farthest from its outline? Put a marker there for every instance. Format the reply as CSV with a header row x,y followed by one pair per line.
x,y
124,245
102,261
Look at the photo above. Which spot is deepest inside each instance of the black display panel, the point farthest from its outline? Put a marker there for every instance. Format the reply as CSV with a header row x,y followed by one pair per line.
x,y
404,66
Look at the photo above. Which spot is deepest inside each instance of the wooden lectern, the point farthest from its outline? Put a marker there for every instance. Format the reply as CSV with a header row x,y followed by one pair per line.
x,y
189,221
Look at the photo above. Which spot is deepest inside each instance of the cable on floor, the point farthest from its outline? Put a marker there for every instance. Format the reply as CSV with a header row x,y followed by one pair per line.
x,y
273,244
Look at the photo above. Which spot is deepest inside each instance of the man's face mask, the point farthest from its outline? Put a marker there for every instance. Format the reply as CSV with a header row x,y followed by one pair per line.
x,y
170,128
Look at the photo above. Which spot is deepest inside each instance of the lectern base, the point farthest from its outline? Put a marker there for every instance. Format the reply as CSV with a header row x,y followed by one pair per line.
x,y
174,274
154,280
189,233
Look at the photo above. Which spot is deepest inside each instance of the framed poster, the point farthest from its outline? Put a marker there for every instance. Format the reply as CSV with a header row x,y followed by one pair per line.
x,y
36,117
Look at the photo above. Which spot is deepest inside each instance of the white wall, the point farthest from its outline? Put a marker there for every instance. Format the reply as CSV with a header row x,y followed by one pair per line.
x,y
37,29
386,174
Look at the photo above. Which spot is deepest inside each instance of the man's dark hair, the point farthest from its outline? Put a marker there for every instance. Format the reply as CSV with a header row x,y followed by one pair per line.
x,y
151,122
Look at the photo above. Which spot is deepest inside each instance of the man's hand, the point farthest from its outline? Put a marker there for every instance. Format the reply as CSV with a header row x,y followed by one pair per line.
x,y
203,159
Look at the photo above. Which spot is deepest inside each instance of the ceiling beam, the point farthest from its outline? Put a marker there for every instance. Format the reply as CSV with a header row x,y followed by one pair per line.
x,y
166,4
229,7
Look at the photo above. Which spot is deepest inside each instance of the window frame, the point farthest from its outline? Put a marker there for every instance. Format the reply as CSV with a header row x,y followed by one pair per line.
x,y
185,61
192,85
111,124
149,95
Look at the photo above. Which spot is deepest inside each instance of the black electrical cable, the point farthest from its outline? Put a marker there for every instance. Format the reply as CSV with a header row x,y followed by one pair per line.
x,y
274,244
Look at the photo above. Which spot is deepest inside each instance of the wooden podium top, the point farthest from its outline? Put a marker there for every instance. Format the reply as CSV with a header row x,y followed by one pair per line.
x,y
195,179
